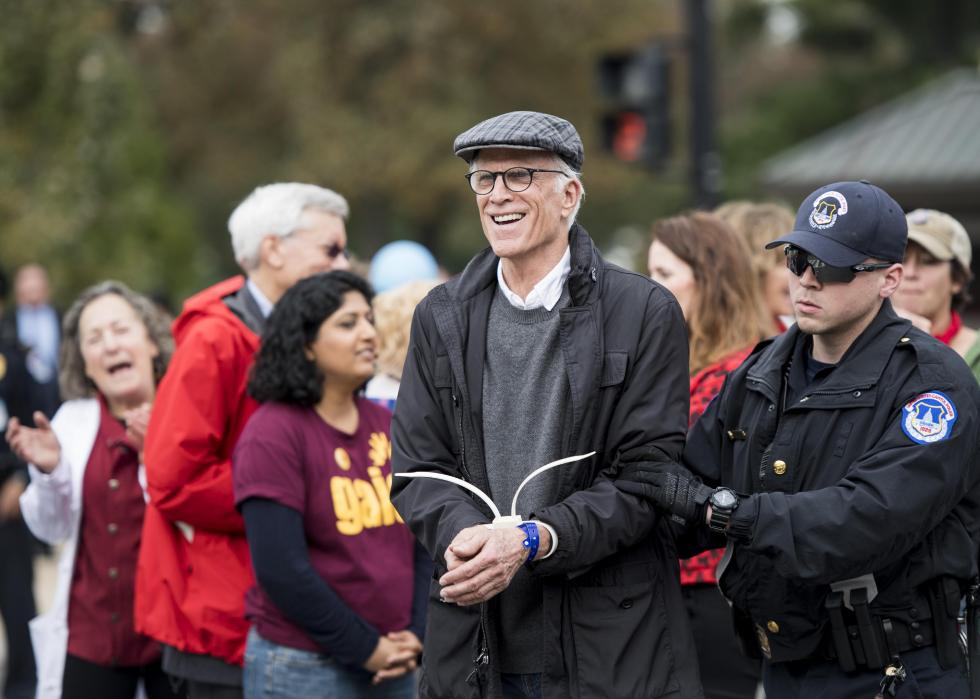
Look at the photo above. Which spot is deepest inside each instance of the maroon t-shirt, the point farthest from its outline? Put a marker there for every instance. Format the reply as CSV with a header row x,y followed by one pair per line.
x,y
340,484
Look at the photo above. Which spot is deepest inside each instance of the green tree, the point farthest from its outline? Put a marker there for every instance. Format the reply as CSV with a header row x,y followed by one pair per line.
x,y
83,176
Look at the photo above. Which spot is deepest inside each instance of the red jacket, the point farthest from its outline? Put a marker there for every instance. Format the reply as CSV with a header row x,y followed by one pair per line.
x,y
194,565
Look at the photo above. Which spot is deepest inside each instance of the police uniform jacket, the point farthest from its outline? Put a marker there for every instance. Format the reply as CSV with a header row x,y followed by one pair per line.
x,y
871,468
615,624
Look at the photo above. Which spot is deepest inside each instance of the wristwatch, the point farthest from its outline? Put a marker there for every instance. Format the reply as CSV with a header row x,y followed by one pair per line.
x,y
723,503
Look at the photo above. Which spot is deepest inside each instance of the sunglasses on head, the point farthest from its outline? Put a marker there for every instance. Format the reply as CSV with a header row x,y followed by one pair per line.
x,y
798,260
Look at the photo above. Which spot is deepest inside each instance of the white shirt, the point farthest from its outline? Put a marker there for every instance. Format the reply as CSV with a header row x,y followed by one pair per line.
x,y
546,292
265,305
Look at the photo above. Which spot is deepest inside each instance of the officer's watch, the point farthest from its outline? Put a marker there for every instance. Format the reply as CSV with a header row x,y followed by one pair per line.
x,y
723,503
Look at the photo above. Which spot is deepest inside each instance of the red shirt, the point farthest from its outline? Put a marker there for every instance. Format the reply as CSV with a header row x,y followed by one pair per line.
x,y
705,385
340,484
100,606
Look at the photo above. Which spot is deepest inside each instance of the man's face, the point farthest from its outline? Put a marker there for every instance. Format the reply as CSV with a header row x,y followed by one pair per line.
x,y
319,245
31,286
524,225
837,307
927,287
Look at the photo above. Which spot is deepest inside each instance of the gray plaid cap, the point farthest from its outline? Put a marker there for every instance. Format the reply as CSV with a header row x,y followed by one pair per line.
x,y
523,131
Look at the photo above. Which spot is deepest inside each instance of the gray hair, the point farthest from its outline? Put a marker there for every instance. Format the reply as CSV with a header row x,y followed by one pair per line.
x,y
277,209
71,371
567,173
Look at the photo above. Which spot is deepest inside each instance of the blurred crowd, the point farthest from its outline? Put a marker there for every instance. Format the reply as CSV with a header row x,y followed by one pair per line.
x,y
179,466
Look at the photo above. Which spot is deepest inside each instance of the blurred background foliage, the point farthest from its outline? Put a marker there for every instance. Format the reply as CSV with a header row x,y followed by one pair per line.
x,y
129,129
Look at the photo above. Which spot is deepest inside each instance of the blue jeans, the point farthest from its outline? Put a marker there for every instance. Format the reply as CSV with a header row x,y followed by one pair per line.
x,y
279,672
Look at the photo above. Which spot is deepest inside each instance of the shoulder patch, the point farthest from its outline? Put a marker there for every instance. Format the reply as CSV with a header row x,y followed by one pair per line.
x,y
929,418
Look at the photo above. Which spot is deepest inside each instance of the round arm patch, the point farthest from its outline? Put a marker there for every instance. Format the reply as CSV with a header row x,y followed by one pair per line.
x,y
929,418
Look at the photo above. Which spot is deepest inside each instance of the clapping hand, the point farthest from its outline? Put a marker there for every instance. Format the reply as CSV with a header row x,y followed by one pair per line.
x,y
36,445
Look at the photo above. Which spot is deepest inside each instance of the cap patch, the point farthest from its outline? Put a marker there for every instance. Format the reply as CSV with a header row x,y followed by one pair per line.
x,y
919,217
827,208
929,418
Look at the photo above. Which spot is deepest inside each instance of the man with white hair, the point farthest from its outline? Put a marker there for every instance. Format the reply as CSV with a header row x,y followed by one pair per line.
x,y
539,350
194,565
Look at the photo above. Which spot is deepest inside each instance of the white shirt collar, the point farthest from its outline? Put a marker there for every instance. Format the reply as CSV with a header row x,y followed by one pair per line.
x,y
546,292
265,305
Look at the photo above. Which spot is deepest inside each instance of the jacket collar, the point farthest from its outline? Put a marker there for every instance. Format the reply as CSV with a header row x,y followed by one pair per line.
x,y
481,272
862,363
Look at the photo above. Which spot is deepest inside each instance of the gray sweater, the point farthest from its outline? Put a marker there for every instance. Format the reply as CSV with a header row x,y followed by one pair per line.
x,y
525,406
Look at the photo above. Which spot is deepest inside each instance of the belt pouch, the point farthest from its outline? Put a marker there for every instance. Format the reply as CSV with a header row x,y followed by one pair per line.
x,y
869,631
838,631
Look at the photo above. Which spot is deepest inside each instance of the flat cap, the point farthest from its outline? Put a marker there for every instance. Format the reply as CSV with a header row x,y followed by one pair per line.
x,y
523,131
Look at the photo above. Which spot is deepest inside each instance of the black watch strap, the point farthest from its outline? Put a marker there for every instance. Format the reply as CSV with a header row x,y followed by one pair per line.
x,y
721,515
719,519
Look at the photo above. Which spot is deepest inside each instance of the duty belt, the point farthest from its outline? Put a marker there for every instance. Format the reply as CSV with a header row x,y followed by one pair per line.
x,y
874,641
859,637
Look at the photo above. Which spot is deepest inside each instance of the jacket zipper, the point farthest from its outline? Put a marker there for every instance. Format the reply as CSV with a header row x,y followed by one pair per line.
x,y
459,431
482,660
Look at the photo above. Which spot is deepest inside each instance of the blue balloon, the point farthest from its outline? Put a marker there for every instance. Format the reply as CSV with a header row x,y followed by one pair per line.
x,y
400,262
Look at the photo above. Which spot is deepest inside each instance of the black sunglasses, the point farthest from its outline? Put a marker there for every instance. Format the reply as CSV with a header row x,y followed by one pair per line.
x,y
336,250
798,260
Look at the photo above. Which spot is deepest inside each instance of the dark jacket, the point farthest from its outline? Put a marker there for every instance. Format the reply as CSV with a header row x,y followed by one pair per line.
x,y
615,624
44,397
18,398
840,488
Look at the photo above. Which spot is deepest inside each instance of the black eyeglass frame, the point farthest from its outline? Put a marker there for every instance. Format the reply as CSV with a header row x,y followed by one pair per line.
x,y
503,175
824,273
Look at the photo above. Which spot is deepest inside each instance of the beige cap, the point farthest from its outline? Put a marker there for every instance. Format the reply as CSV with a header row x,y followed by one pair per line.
x,y
941,235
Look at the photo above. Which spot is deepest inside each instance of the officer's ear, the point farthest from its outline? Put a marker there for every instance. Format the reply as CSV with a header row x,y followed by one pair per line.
x,y
891,280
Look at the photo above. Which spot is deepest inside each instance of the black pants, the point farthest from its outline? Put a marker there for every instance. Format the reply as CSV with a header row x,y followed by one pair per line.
x,y
210,690
823,679
726,672
85,680
17,607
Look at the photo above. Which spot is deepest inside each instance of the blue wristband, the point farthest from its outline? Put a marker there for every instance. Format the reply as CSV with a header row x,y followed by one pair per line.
x,y
532,540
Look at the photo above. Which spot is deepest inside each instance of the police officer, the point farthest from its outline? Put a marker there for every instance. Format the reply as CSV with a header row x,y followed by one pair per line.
x,y
846,451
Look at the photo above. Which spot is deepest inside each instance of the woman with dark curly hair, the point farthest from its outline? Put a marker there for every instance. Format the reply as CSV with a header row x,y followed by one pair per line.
x,y
87,491
339,604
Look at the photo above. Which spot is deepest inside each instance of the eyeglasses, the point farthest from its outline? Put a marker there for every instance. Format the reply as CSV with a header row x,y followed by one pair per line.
x,y
516,179
336,250
798,260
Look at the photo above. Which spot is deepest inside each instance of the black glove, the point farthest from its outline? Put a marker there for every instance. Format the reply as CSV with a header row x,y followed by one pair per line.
x,y
672,489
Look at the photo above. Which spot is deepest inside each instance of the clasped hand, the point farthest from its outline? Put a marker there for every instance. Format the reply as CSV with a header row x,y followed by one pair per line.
x,y
396,654
482,561
669,487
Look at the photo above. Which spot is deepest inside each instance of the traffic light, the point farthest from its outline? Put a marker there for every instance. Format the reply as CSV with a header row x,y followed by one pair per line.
x,y
635,87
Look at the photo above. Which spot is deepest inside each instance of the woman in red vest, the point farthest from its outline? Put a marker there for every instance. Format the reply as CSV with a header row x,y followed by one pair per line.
x,y
87,491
